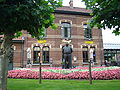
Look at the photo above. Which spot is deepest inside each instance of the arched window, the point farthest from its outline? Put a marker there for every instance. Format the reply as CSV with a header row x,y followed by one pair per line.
x,y
36,50
66,30
94,53
45,54
85,54
85,50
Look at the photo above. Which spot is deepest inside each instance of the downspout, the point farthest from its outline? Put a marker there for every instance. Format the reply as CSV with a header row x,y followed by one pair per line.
x,y
22,53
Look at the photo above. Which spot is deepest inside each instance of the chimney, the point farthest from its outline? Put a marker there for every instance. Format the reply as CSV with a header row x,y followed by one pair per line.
x,y
71,3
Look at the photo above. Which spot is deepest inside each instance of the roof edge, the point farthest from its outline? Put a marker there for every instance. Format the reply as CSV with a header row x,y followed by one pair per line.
x,y
72,12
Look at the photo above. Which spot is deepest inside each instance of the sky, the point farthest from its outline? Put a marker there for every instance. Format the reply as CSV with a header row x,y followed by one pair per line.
x,y
108,37
76,3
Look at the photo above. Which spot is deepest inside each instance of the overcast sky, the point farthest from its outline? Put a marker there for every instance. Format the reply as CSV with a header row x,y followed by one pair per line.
x,y
108,37
76,3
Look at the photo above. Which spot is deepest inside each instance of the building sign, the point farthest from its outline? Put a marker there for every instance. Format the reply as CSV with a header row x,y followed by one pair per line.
x,y
88,42
66,41
41,41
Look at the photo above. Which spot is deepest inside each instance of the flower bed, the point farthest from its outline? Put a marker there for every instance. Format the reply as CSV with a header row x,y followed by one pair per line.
x,y
98,73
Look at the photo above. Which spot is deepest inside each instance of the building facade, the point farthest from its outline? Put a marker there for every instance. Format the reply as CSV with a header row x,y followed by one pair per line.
x,y
72,28
111,51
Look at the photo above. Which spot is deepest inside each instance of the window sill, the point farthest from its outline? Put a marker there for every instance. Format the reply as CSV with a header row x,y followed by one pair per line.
x,y
41,64
85,63
95,62
90,39
65,37
88,62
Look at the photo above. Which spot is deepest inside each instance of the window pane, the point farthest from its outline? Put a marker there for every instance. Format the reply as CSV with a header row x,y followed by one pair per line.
x,y
85,25
35,57
87,32
45,48
45,57
66,31
36,50
85,54
65,24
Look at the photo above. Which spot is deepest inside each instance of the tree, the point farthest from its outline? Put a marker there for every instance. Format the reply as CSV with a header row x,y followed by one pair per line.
x,y
2,0
16,15
106,13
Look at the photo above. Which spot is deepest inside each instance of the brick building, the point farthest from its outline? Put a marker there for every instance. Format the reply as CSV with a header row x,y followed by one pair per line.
x,y
72,28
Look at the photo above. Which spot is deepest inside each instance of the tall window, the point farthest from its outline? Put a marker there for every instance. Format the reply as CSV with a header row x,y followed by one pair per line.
x,y
36,50
45,56
85,54
66,30
87,32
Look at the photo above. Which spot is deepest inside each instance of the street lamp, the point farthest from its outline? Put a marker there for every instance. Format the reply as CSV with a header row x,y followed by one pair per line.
x,y
90,61
40,76
40,59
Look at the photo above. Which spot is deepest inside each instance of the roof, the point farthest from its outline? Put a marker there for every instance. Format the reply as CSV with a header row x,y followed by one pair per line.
x,y
15,39
111,46
72,10
75,9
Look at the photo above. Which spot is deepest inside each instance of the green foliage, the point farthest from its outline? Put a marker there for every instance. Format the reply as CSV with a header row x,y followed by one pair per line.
x,y
18,34
30,15
2,0
106,13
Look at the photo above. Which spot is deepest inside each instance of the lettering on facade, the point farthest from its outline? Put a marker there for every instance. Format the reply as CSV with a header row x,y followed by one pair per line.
x,y
88,42
41,41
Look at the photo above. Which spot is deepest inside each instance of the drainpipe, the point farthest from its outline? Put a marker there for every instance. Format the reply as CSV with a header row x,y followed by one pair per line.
x,y
22,52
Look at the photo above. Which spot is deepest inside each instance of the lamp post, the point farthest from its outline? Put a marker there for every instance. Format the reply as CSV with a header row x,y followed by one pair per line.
x,y
90,61
40,60
40,76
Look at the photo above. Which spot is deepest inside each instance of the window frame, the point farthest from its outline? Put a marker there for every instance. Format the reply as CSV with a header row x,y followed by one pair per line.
x,y
87,32
85,53
66,26
86,60
35,55
44,56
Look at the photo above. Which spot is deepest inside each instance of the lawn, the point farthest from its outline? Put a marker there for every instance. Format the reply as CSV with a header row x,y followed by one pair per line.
x,y
32,84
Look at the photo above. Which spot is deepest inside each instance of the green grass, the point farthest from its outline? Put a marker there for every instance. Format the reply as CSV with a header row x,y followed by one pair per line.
x,y
31,84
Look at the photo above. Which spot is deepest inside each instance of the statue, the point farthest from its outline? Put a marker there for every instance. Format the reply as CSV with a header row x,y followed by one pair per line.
x,y
67,57
29,65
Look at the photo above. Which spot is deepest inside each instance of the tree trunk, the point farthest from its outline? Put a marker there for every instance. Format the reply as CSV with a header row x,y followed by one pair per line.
x,y
5,54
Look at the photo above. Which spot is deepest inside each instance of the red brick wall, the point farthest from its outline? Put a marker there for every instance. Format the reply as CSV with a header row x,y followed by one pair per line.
x,y
54,39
